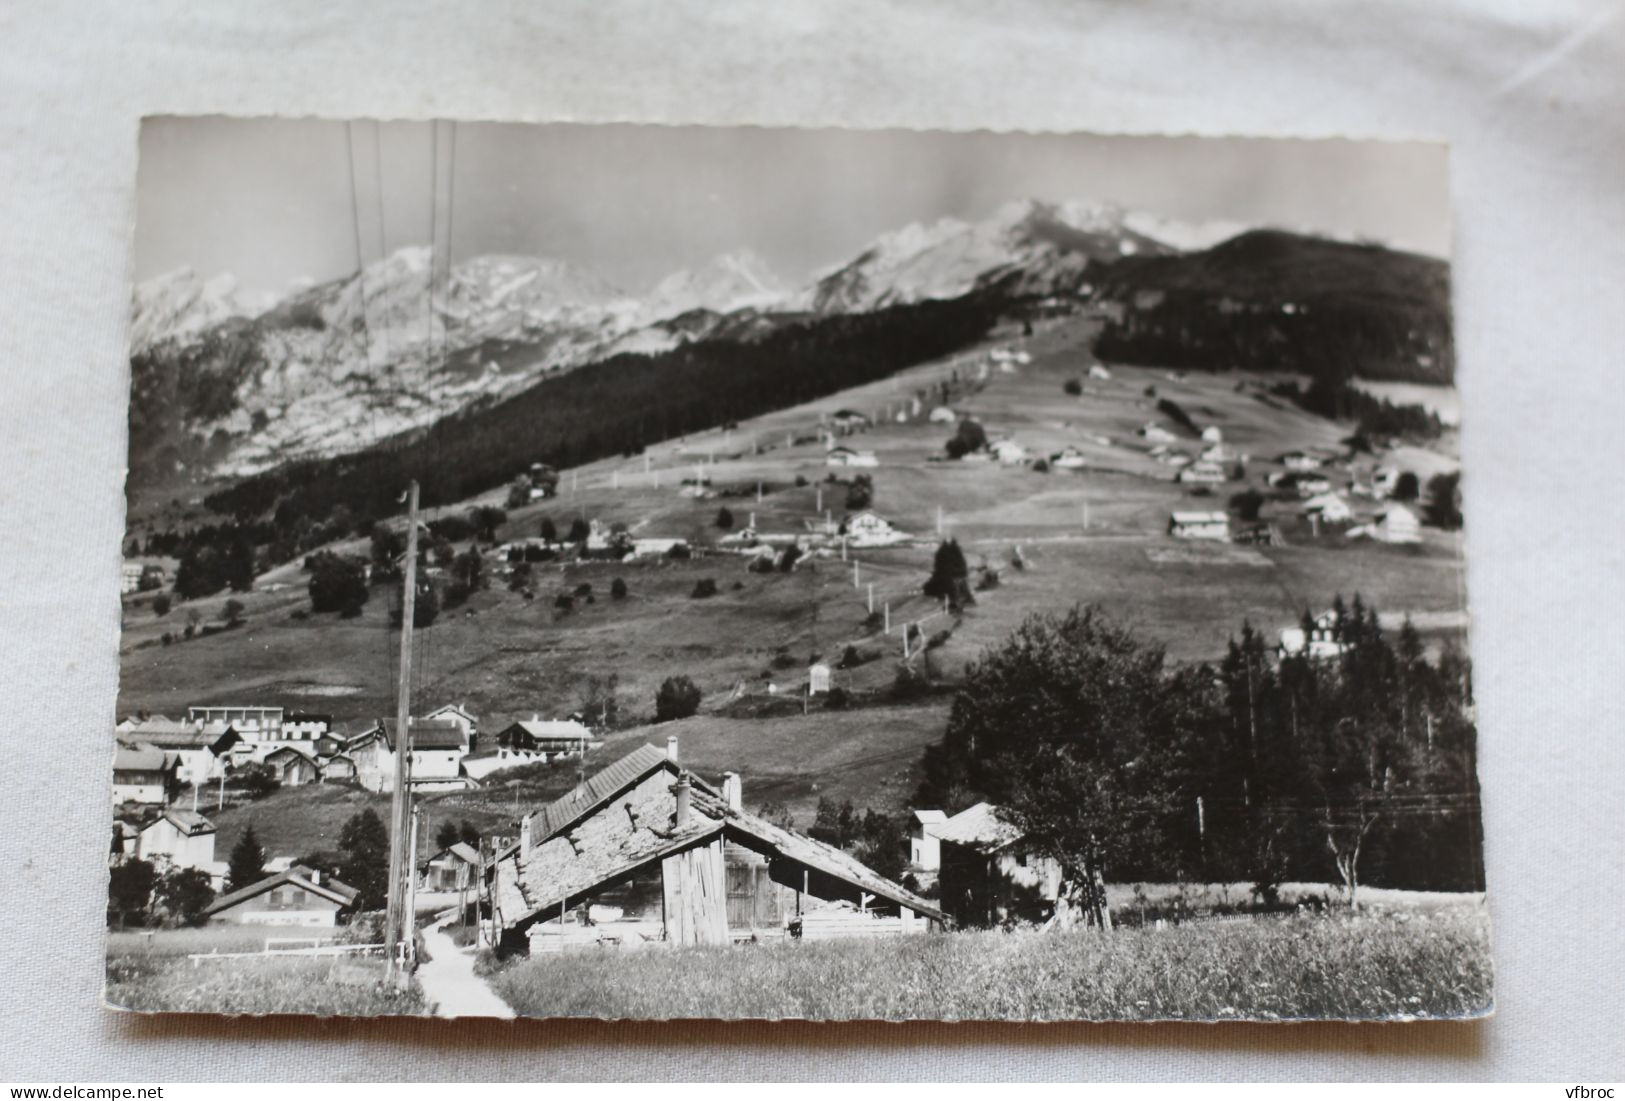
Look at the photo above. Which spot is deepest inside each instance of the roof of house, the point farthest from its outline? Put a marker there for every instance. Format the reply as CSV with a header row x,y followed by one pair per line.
x,y
926,817
189,822
461,850
173,735
140,758
286,751
1201,518
979,827
299,876
426,734
545,875
551,728
598,789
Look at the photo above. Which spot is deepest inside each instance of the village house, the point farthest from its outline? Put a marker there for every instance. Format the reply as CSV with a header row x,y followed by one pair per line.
x,y
1212,434
846,456
645,852
260,728
1320,643
457,713
1216,453
1200,525
989,876
1007,451
202,752
530,741
338,769
924,848
438,749
141,577
143,774
1156,433
1395,524
305,726
297,896
1300,461
294,767
1068,458
870,529
818,678
454,868
1312,485
1201,472
1096,371
182,837
943,415
848,420
1328,508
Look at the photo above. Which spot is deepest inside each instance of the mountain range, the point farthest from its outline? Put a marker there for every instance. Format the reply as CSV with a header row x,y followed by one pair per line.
x,y
224,387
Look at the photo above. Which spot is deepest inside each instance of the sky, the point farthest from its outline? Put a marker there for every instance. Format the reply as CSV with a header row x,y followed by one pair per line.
x,y
275,201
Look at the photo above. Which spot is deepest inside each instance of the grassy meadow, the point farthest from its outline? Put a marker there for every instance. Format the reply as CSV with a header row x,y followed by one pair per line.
x,y
151,972
1362,965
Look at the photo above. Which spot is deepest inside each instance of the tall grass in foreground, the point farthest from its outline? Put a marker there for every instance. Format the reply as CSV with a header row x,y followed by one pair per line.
x,y
1348,966
168,983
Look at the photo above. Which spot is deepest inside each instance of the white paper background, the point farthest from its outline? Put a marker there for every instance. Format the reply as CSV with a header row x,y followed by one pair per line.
x,y
1528,94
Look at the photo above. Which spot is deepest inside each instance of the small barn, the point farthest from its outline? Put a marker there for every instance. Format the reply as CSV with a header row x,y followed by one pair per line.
x,y
1200,525
818,678
453,868
294,767
296,896
1212,434
1068,458
989,876
338,769
943,415
544,739
645,852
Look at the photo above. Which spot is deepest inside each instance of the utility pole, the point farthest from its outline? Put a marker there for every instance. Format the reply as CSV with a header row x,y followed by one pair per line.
x,y
409,951
399,799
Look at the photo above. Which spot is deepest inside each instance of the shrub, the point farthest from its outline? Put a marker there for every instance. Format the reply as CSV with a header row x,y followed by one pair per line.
x,y
970,436
679,552
861,493
1407,487
704,587
337,584
160,604
1041,466
617,589
725,518
677,698
837,699
564,602
584,589
1247,504
1074,387
233,612
949,575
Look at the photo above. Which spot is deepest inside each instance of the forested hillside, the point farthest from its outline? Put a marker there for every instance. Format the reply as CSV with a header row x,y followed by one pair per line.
x,y
619,406
1269,300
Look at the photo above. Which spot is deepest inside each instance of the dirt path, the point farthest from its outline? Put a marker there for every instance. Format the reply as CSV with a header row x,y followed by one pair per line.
x,y
449,983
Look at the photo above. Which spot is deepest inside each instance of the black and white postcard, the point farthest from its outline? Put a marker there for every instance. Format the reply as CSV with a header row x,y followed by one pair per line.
x,y
679,572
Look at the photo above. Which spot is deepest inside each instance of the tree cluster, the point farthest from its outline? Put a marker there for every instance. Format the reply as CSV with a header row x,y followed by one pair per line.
x,y
1354,769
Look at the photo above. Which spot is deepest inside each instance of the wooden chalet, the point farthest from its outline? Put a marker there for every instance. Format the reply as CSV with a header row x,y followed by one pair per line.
x,y
295,896
644,851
